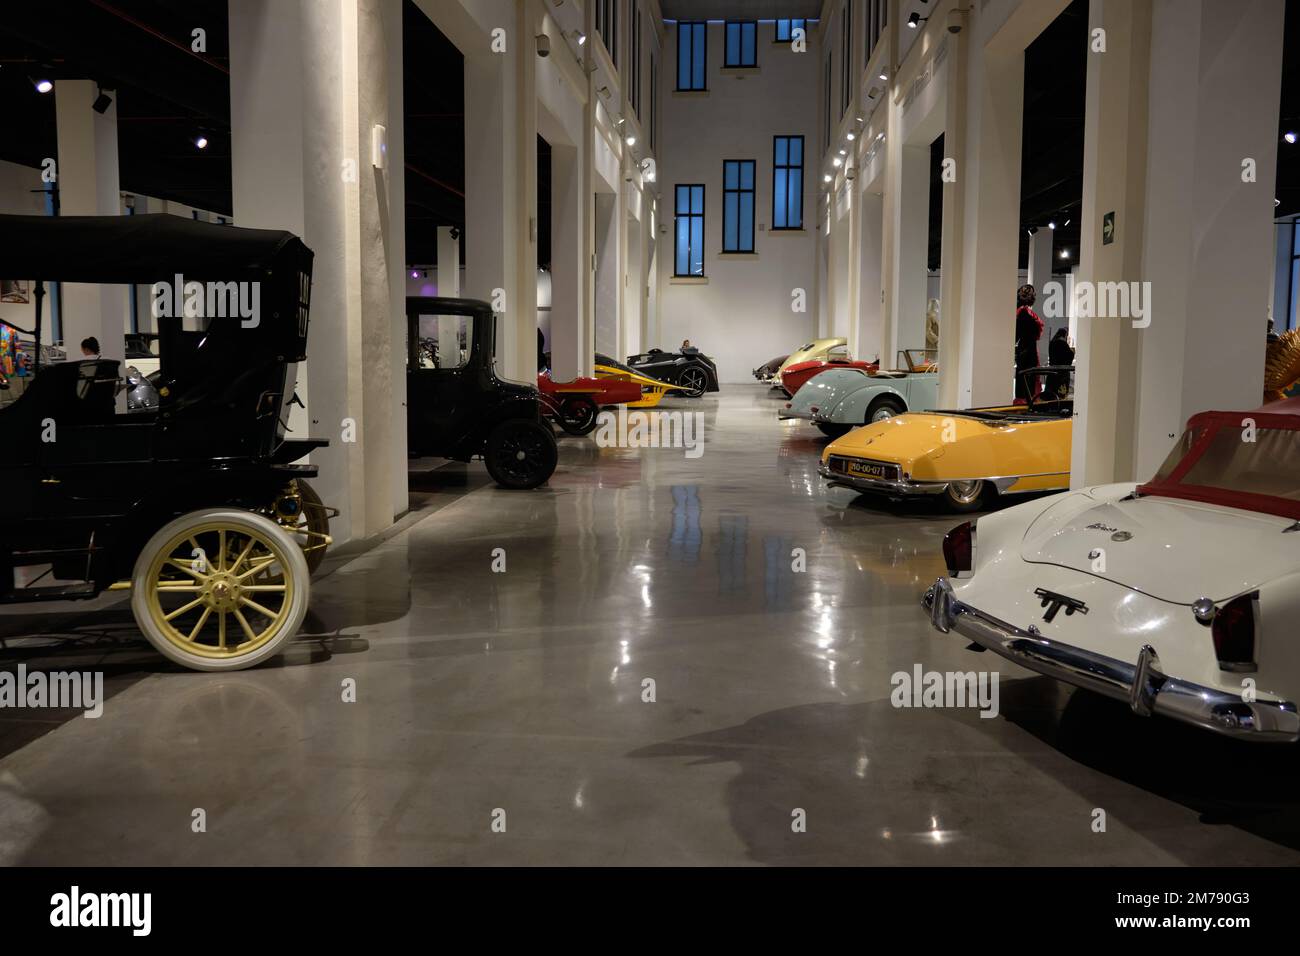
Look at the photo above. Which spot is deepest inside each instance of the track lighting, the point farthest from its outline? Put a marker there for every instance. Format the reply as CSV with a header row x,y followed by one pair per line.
x,y
102,102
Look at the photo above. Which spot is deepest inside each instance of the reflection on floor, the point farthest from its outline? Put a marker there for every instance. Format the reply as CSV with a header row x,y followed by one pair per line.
x,y
514,700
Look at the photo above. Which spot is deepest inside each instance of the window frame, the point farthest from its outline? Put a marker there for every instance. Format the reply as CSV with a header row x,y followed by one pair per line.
x,y
702,215
703,27
790,25
739,192
802,167
726,44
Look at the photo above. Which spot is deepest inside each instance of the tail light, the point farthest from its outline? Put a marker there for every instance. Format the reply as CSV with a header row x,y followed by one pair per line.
x,y
1234,633
959,549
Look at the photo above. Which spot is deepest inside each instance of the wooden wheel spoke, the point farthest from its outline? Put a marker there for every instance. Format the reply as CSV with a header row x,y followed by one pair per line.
x,y
243,622
221,550
182,609
255,565
243,555
221,630
271,588
265,612
170,586
203,619
181,565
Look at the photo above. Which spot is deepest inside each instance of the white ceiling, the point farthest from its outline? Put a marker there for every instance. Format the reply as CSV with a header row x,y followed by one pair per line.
x,y
739,9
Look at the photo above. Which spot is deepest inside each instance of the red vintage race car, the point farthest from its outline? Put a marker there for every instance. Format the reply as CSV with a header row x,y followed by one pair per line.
x,y
574,405
797,375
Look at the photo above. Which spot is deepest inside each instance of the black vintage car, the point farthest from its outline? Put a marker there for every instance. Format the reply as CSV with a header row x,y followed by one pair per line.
x,y
691,369
457,407
195,506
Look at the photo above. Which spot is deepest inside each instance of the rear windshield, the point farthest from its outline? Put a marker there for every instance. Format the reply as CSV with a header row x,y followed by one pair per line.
x,y
1265,462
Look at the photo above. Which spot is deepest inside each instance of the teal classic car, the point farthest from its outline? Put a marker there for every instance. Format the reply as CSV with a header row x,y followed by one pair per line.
x,y
841,399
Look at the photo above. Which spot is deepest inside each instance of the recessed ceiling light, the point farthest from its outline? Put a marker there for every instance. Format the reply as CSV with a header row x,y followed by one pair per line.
x,y
1289,136
44,86
201,142
837,162
1065,253
1051,225
852,137
826,178
631,140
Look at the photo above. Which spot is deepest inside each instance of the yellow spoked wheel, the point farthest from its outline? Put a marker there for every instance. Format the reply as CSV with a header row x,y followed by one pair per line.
x,y
220,589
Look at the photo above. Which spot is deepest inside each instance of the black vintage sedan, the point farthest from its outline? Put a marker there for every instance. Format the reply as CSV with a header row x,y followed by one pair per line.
x,y
691,369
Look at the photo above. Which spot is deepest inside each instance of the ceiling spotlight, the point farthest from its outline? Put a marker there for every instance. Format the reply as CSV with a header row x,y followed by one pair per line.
x,y
915,20
43,86
837,162
1289,136
1067,222
603,92
1065,253
201,142
631,140
826,178
582,38
1030,231
883,76
1051,225
415,274
852,136
102,102
621,121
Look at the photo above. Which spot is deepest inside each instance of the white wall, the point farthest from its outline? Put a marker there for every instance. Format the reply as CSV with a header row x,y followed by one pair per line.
x,y
742,317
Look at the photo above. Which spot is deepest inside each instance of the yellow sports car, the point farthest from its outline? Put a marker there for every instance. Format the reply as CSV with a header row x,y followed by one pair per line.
x,y
965,457
823,349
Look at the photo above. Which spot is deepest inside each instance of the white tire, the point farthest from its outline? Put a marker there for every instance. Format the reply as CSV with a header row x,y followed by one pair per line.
x,y
231,602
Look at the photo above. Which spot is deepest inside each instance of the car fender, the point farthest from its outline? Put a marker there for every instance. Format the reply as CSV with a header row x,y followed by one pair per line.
x,y
852,409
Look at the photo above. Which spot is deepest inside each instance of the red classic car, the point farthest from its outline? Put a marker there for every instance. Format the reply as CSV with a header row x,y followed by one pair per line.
x,y
797,375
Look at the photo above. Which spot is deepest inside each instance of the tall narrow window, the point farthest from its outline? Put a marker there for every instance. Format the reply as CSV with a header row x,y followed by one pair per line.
x,y
690,231
738,205
787,183
875,24
826,105
634,68
654,99
692,55
742,43
607,26
785,29
846,56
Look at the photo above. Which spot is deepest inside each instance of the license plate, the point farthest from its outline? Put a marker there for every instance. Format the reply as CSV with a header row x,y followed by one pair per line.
x,y
865,469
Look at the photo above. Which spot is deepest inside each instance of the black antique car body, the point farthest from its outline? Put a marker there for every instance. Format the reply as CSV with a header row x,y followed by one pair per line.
x,y
691,369
195,505
457,407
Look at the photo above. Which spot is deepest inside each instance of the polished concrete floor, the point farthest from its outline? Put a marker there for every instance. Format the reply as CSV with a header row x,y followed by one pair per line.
x,y
517,697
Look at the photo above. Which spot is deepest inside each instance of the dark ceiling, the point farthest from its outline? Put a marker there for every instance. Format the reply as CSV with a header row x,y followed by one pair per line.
x,y
167,95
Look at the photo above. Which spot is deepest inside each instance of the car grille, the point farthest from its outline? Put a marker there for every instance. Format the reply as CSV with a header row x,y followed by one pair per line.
x,y
885,470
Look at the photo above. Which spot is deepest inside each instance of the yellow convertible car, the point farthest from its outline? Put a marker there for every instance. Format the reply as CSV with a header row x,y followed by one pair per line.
x,y
964,457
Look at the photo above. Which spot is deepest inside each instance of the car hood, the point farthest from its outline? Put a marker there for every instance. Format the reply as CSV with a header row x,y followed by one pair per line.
x,y
1178,550
905,438
827,389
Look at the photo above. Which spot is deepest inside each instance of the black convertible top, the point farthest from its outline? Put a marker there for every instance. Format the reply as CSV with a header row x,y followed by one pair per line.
x,y
140,249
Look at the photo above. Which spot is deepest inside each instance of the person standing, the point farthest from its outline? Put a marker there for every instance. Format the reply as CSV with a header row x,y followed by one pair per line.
x,y
1029,329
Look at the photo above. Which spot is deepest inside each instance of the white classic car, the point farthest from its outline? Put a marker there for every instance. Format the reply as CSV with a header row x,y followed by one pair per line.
x,y
1180,595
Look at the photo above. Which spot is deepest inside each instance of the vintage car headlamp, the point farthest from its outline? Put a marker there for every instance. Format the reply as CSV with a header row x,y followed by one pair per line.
x,y
959,550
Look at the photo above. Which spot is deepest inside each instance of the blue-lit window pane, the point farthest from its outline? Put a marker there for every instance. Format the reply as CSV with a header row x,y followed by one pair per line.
x,y
742,44
689,258
787,182
691,56
738,206
733,44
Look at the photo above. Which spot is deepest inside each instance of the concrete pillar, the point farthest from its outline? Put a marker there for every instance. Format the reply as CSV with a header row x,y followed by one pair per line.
x,y
869,329
88,186
448,288
994,115
912,248
608,276
1040,260
332,61
1215,70
951,249
633,288
569,270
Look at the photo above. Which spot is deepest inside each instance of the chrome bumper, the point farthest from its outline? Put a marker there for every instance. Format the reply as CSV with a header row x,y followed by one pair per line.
x,y
1146,688
900,487
786,415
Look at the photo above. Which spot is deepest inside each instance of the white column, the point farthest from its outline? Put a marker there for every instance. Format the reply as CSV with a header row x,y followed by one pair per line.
x,y
1215,70
88,186
448,288
608,277
569,271
309,81
1040,260
912,250
870,324
952,251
